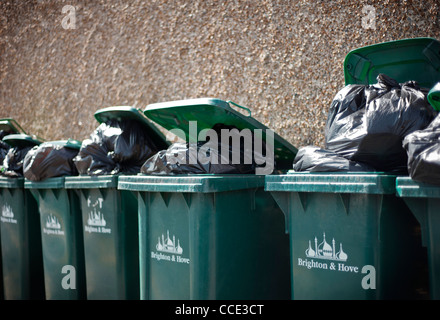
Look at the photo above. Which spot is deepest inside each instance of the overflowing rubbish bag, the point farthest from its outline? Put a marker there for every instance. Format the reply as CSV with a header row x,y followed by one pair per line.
x,y
49,159
205,157
13,162
423,147
367,123
315,159
115,147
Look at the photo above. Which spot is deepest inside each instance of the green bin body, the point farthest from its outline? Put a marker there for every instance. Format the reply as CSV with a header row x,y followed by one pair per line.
x,y
22,262
350,236
109,219
62,239
424,201
209,237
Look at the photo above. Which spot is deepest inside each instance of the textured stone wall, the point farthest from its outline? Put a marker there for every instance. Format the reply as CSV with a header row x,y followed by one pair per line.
x,y
282,59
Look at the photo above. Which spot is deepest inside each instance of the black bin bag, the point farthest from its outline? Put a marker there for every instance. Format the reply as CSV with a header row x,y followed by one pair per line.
x,y
13,162
48,160
315,159
205,157
423,147
115,147
367,123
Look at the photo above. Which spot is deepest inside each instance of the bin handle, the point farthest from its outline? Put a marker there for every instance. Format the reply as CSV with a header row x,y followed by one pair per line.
x,y
237,105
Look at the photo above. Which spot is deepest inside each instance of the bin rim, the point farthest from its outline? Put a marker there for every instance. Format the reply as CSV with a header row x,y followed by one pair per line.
x,y
333,182
49,183
13,183
200,183
406,187
91,182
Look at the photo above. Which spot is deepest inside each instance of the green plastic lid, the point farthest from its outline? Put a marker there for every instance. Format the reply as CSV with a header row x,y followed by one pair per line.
x,y
208,112
21,140
11,126
403,60
434,97
120,113
69,143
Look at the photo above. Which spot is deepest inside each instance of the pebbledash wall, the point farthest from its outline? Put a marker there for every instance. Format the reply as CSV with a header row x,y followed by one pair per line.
x,y
60,61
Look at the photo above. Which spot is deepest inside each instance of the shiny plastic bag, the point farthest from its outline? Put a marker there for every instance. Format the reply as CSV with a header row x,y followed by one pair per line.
x,y
368,123
315,159
49,160
13,162
205,157
115,147
423,147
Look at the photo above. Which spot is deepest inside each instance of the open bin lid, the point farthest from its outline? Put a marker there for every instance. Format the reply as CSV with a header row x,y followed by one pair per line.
x,y
11,126
208,112
120,113
21,140
69,143
403,60
434,97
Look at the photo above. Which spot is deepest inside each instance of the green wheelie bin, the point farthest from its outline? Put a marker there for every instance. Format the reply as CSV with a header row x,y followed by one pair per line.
x,y
350,236
210,236
61,234
110,223
23,276
7,126
424,201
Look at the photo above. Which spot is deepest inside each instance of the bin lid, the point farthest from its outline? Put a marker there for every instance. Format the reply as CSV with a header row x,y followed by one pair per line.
x,y
21,140
210,111
69,143
407,187
434,97
332,183
120,113
194,183
11,126
403,60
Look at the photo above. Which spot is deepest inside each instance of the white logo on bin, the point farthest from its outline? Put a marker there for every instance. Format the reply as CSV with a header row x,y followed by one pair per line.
x,y
52,225
7,214
96,222
325,251
169,249
169,245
